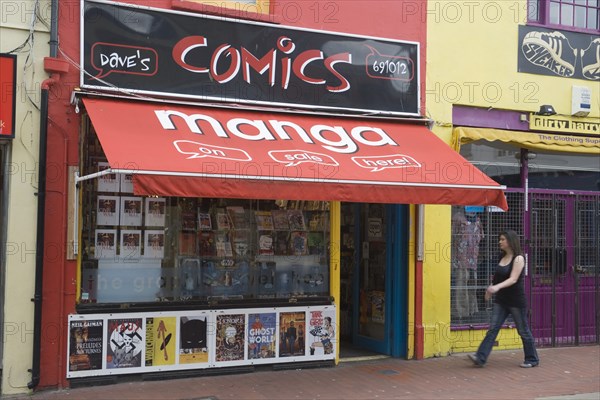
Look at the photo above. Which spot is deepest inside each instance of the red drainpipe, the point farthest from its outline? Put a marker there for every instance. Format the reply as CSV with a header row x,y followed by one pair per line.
x,y
419,329
54,67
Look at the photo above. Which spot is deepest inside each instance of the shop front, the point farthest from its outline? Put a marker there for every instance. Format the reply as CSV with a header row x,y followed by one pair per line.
x,y
550,165
231,207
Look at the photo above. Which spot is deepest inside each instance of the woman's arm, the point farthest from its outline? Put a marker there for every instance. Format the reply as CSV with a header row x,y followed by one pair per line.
x,y
518,265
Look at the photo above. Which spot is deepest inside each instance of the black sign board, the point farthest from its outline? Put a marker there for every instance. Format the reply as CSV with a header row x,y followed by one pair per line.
x,y
177,54
558,53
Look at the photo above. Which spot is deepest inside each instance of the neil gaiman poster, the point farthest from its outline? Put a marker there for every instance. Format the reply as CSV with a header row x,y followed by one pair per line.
x,y
85,345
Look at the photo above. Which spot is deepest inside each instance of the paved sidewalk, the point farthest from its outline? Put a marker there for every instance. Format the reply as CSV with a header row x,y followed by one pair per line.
x,y
570,373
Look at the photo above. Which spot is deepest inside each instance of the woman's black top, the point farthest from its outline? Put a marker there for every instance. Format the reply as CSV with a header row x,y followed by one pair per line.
x,y
514,295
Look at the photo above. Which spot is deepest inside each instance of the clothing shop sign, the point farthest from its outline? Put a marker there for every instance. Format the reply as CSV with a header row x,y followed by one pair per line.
x,y
155,51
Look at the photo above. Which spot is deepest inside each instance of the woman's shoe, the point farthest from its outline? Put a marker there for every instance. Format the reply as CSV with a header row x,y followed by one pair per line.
x,y
475,360
527,365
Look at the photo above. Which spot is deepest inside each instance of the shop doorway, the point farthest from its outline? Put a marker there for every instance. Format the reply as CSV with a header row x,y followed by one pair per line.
x,y
565,280
373,314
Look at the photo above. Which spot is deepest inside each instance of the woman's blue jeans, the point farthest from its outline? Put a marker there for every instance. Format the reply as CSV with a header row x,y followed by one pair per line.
x,y
499,315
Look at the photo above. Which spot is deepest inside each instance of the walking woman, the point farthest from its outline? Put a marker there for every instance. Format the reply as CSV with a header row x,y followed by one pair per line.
x,y
509,289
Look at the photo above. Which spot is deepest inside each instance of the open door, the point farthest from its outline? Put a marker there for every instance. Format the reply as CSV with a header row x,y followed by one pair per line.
x,y
368,278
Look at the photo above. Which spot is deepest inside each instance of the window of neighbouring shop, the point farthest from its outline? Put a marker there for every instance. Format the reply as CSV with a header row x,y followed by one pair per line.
x,y
141,249
552,170
574,14
562,190
474,255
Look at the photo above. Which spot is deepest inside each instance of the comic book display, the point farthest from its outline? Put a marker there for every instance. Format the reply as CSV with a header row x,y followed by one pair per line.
x,y
203,249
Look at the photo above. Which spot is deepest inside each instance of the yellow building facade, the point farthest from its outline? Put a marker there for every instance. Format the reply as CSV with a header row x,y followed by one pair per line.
x,y
491,66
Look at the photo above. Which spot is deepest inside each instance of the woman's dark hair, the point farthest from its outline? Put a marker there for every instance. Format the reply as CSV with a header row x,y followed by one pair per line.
x,y
513,241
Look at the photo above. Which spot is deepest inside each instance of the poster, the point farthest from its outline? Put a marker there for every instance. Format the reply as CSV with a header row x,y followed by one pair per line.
x,y
85,345
321,332
292,340
377,306
154,244
230,337
131,244
131,211
262,335
160,341
106,243
126,183
125,343
193,347
107,210
155,211
109,182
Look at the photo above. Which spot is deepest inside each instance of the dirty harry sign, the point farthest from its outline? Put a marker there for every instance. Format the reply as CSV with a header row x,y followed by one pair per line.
x,y
156,51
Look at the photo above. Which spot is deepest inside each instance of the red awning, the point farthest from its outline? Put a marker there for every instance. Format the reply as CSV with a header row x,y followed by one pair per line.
x,y
190,151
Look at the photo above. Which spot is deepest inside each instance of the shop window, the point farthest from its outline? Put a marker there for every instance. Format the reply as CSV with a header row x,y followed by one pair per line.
x,y
551,170
499,161
582,15
475,254
169,249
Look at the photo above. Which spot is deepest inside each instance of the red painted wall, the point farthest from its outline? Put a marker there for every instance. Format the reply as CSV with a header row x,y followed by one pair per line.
x,y
388,19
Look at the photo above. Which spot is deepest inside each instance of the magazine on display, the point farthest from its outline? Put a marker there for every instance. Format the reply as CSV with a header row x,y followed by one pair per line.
x,y
204,222
296,220
265,243
131,211
240,245
106,243
154,244
155,211
187,243
237,217
131,244
280,220
223,222
223,245
107,183
126,183
298,243
280,243
207,244
264,220
107,210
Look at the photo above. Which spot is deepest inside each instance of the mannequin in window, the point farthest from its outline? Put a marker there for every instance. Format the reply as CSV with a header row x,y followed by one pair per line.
x,y
466,235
